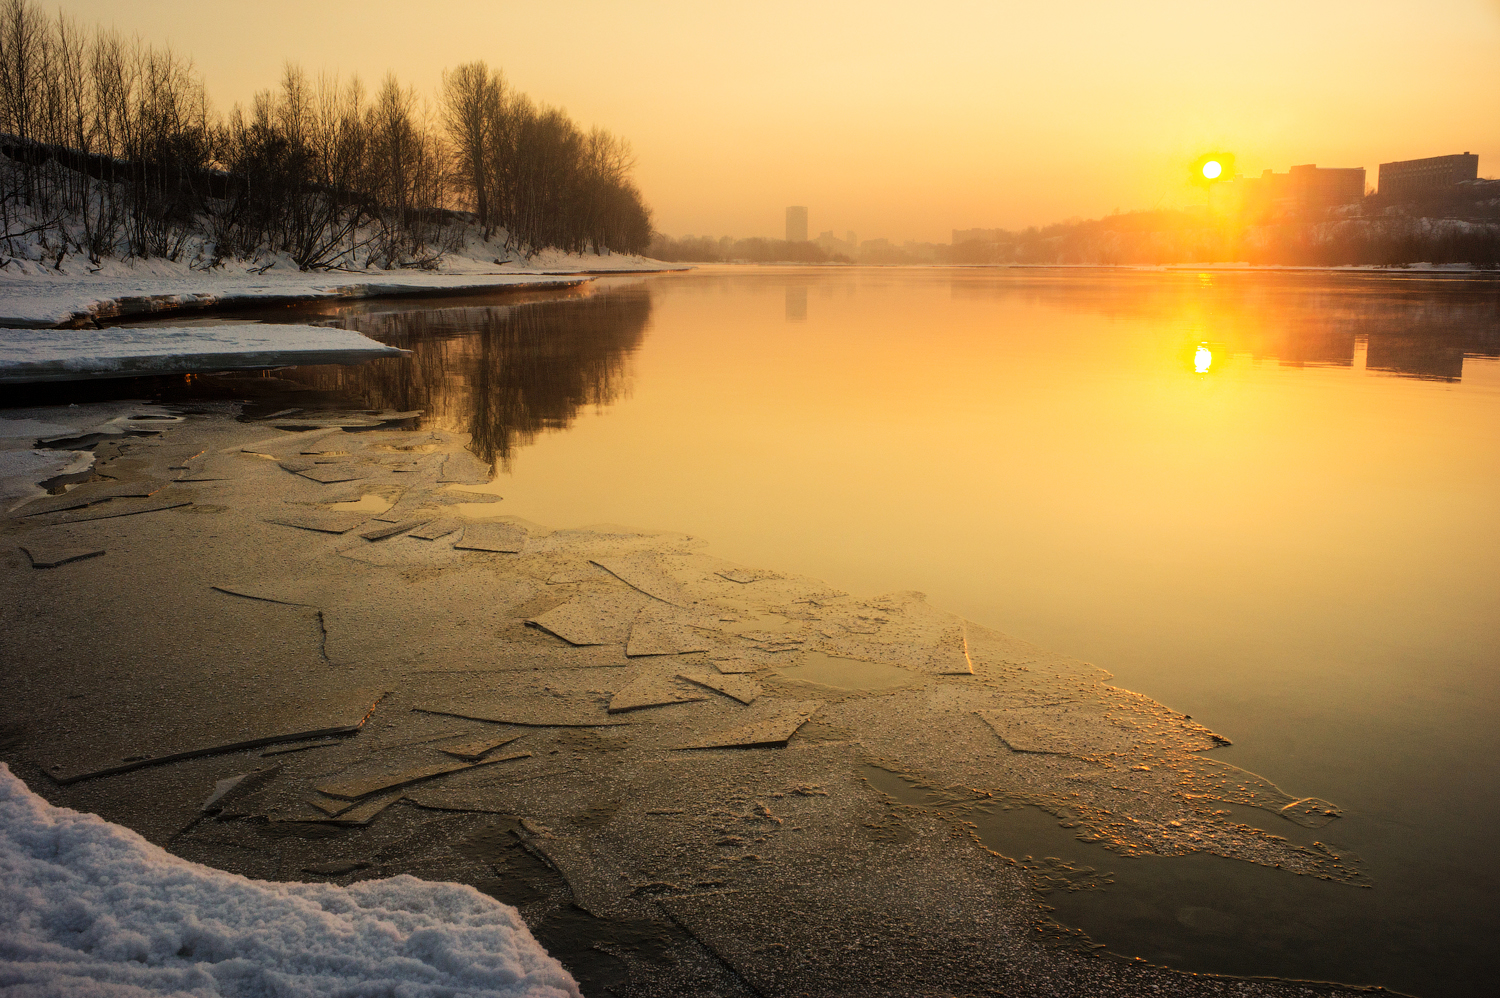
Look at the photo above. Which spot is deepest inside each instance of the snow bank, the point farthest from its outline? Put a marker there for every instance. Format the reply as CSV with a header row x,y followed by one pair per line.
x,y
34,295
121,352
89,908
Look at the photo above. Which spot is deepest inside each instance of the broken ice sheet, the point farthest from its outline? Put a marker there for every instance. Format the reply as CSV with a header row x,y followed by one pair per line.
x,y
505,538
766,724
658,630
329,474
912,634
436,529
530,712
1026,731
591,619
352,787
462,468
651,690
114,507
385,530
44,555
89,493
331,806
737,666
643,571
288,594
227,789
360,813
583,572
322,521
476,748
285,749
70,762
741,688
286,444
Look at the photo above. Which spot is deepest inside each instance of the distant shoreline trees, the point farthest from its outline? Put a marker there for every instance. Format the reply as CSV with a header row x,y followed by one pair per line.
x,y
110,149
753,250
1452,226
1184,237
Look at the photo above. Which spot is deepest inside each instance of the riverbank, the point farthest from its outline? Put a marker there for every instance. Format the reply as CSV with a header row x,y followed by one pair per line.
x,y
669,763
32,295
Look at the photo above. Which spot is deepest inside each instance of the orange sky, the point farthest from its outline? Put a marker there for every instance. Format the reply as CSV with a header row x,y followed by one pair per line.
x,y
907,120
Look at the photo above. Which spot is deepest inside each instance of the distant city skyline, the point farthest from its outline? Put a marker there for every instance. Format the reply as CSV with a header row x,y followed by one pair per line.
x,y
1307,185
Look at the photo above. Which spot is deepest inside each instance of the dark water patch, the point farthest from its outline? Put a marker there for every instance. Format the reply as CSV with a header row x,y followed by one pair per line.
x,y
1201,912
596,951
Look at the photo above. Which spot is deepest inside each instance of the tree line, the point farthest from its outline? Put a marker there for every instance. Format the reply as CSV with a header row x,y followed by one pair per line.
x,y
1169,237
111,148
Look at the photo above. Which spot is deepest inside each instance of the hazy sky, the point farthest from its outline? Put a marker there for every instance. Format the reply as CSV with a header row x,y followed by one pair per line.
x,y
907,120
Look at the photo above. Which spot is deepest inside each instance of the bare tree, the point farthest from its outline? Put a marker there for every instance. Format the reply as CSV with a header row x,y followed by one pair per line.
x,y
473,108
109,147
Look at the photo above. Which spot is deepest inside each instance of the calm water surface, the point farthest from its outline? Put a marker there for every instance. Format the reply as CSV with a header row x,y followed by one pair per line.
x,y
1269,500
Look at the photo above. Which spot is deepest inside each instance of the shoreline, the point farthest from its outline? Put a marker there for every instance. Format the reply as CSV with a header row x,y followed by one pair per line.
x,y
682,787
67,302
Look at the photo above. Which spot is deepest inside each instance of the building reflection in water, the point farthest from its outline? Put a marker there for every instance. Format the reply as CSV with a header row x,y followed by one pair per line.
x,y
502,373
796,302
1409,326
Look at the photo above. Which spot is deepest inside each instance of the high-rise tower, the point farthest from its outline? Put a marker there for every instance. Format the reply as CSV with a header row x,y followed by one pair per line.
x,y
796,224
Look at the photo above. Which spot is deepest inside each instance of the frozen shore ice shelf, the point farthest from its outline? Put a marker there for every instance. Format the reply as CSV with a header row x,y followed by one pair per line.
x,y
34,355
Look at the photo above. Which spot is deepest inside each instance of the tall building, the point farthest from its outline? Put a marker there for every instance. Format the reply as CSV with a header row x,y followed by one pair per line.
x,y
1322,187
1299,189
796,224
1409,176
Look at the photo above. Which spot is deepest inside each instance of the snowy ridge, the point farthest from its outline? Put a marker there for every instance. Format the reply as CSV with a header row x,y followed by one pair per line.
x,y
87,907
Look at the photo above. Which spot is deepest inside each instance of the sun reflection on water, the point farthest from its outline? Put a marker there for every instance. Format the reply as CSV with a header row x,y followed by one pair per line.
x,y
1203,359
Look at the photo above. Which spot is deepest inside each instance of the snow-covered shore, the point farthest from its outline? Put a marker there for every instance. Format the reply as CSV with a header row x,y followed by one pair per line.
x,y
87,907
33,294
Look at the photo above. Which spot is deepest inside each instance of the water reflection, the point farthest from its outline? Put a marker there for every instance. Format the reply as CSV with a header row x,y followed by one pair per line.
x,y
1409,326
502,374
796,302
1026,447
1203,359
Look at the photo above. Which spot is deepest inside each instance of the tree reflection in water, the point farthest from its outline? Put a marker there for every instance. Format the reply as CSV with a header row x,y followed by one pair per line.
x,y
500,373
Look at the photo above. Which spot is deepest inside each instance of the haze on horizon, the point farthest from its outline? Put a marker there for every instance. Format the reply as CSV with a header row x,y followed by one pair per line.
x,y
903,122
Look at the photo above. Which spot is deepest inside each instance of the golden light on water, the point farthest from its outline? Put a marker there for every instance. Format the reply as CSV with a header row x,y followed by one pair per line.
x,y
1203,359
1212,169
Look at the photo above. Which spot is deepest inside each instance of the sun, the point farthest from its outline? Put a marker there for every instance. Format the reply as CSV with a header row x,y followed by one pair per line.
x,y
1212,168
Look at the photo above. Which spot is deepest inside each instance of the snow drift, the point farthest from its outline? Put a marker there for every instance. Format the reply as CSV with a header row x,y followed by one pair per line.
x,y
87,907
